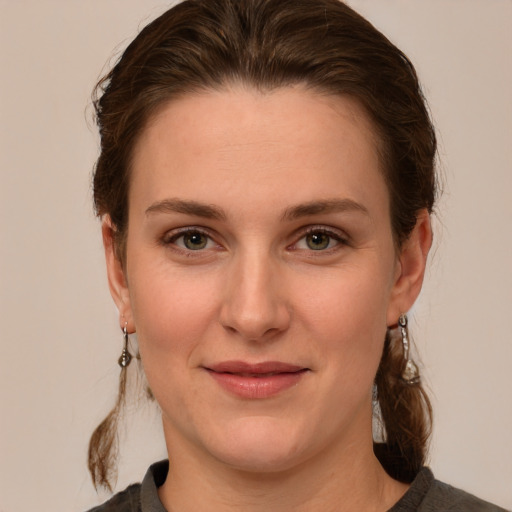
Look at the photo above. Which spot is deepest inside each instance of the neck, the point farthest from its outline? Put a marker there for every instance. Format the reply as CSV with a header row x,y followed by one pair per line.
x,y
340,480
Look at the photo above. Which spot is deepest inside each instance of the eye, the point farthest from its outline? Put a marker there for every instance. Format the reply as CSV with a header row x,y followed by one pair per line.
x,y
191,240
319,240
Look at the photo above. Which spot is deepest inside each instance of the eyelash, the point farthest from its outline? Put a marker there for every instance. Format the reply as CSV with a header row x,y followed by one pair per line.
x,y
170,239
340,239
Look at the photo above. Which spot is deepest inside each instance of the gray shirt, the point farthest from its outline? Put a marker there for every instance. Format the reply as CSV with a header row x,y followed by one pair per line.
x,y
426,494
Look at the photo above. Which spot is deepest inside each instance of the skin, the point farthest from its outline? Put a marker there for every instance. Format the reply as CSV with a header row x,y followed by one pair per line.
x,y
276,280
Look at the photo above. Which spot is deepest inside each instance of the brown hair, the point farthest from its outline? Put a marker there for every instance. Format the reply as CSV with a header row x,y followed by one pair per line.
x,y
324,45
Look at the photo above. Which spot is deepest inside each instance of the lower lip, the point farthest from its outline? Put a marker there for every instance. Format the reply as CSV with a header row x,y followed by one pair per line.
x,y
257,387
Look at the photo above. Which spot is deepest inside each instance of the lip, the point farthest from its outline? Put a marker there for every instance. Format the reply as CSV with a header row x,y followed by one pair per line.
x,y
256,381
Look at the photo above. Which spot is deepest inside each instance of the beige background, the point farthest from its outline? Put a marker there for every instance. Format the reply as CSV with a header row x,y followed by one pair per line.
x,y
59,336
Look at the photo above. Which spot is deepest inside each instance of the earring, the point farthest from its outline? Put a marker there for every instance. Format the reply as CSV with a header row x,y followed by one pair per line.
x,y
126,357
410,374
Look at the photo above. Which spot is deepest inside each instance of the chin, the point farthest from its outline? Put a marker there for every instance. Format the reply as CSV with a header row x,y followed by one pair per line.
x,y
259,445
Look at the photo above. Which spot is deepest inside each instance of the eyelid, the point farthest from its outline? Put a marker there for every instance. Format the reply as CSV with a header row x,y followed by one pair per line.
x,y
170,237
340,236
176,232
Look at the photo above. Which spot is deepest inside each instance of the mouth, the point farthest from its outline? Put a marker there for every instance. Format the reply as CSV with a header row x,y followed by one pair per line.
x,y
256,381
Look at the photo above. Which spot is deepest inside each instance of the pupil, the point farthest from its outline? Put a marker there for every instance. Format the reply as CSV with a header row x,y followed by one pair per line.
x,y
195,241
318,241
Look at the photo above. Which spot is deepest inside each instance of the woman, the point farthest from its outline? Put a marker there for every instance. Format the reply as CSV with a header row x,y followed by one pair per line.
x,y
265,183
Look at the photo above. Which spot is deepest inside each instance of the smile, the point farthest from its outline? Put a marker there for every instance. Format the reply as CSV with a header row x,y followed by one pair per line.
x,y
256,381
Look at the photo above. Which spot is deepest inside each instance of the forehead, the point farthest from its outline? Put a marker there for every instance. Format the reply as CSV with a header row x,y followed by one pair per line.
x,y
291,143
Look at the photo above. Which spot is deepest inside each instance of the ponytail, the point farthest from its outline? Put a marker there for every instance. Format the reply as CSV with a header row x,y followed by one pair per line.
x,y
405,414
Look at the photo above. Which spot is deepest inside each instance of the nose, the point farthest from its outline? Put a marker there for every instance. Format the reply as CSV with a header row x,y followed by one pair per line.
x,y
254,305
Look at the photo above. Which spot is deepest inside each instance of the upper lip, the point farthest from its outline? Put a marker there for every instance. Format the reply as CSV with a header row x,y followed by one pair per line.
x,y
242,367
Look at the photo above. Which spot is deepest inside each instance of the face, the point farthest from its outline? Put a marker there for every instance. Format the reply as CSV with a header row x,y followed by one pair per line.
x,y
261,273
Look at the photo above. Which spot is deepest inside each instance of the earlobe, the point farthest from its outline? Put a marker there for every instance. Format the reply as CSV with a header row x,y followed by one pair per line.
x,y
116,275
412,263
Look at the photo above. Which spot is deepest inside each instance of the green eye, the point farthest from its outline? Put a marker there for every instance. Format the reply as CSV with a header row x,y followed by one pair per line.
x,y
195,240
318,241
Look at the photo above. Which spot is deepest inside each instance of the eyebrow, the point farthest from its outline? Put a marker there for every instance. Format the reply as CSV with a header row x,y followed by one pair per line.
x,y
187,207
323,207
292,213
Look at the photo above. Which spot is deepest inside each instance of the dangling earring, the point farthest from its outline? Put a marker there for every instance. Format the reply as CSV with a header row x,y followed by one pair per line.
x,y
410,374
126,357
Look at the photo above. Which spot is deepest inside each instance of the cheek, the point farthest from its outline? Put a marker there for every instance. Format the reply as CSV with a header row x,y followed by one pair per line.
x,y
172,314
171,311
346,314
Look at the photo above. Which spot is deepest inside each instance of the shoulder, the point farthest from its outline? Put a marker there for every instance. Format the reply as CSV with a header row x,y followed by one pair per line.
x,y
124,501
443,497
141,497
427,494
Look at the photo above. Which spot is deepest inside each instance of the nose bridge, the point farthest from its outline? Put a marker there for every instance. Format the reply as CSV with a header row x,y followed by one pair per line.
x,y
254,304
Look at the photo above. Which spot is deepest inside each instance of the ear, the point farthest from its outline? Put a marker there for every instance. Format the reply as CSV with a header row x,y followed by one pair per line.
x,y
411,265
116,276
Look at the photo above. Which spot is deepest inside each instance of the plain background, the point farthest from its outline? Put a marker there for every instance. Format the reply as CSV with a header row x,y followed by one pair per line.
x,y
59,332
